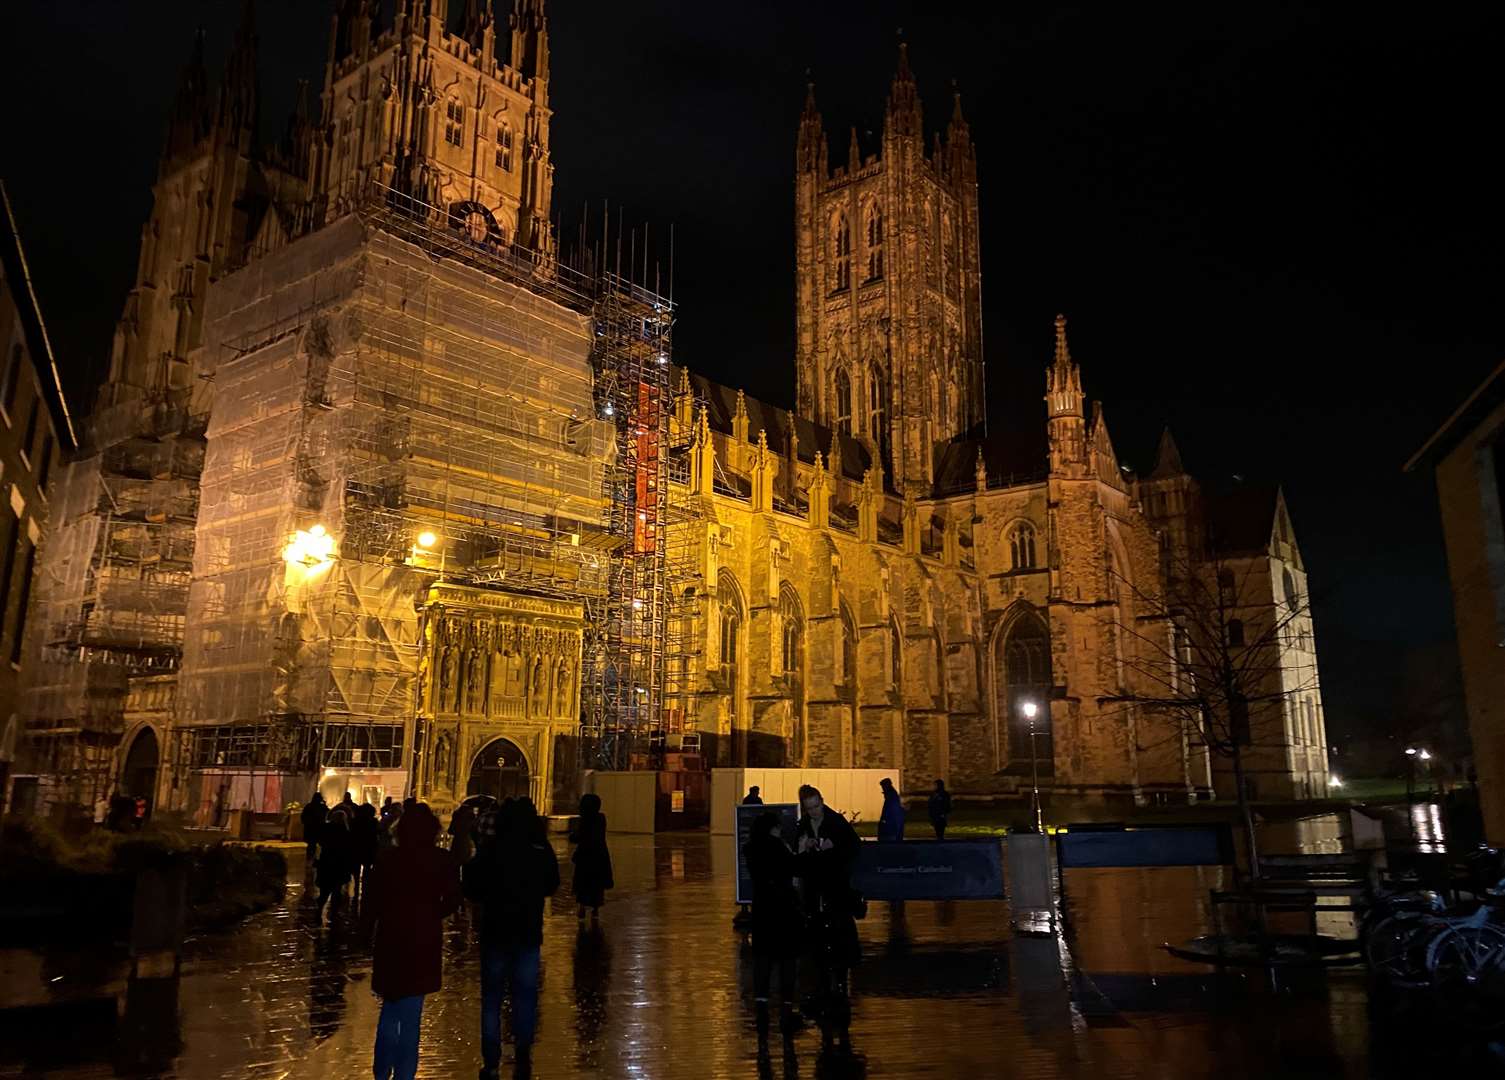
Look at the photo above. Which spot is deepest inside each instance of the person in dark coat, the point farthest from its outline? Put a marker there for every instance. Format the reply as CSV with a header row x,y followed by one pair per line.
x,y
827,849
414,887
891,821
939,807
753,797
462,829
313,821
592,859
778,923
512,874
336,854
364,843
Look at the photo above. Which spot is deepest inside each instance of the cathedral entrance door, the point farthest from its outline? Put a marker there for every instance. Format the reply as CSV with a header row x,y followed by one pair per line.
x,y
500,770
139,774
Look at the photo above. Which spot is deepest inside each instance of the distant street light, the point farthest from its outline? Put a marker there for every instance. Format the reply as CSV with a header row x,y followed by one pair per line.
x,y
1030,708
427,539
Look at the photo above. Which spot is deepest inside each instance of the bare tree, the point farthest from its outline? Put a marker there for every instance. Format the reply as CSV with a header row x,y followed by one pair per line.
x,y
1208,655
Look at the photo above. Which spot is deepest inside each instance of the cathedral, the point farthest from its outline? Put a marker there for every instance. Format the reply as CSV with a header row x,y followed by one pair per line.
x,y
386,492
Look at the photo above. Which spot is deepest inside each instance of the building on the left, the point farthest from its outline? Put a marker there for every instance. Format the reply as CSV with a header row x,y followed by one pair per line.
x,y
36,432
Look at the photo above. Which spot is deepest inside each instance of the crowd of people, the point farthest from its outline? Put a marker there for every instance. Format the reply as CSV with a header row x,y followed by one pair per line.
x,y
499,857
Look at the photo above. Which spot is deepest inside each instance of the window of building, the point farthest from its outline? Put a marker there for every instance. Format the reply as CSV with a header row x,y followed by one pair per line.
x,y
794,632
454,122
874,242
8,562
1309,713
877,409
23,602
841,253
1022,547
895,655
1288,583
1022,684
848,650
1235,630
504,147
12,379
44,462
843,410
28,441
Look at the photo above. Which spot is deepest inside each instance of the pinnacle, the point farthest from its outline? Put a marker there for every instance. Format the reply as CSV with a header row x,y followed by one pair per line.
x,y
1063,351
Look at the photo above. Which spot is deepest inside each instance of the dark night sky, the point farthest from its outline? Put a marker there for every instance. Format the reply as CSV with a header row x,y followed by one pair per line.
x,y
1273,227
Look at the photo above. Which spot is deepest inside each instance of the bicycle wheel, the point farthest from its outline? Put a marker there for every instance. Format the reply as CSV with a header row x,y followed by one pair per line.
x,y
1397,949
1467,967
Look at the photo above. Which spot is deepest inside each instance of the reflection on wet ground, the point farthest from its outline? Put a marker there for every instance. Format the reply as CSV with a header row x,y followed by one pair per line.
x,y
662,989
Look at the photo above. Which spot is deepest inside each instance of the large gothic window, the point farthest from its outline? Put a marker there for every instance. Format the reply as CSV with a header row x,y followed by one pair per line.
x,y
877,409
1022,547
874,242
841,253
843,410
729,653
848,651
1021,686
948,244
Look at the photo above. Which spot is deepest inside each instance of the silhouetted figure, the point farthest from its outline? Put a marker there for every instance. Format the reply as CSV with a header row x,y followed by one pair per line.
x,y
939,807
138,811
891,821
336,856
462,828
778,924
591,857
121,809
512,874
827,849
414,887
313,822
221,806
364,843
391,814
753,797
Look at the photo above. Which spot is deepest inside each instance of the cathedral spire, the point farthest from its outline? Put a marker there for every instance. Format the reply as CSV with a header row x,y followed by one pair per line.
x,y
854,152
810,150
904,115
1167,458
476,22
239,95
190,111
1066,418
530,39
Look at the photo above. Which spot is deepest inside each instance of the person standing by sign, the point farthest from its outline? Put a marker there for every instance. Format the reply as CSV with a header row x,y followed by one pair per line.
x,y
891,821
827,849
777,924
940,809
752,798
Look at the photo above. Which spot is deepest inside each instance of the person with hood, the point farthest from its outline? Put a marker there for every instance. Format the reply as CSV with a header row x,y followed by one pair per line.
x,y
939,807
313,816
891,821
826,852
778,924
511,876
462,828
413,888
364,843
336,854
592,859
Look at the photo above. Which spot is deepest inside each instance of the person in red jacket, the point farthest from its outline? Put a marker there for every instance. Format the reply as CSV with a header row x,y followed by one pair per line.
x,y
414,888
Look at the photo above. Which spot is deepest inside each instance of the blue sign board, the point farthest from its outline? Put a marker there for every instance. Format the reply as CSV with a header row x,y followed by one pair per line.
x,y
1195,845
930,870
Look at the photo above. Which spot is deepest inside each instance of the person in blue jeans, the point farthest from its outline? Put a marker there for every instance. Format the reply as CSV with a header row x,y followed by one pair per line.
x,y
512,874
414,887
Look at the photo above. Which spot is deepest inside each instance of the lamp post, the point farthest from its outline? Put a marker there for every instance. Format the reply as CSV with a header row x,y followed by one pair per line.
x,y
1030,709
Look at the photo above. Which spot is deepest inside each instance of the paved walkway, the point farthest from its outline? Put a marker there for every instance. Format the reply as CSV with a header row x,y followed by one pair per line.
x,y
662,991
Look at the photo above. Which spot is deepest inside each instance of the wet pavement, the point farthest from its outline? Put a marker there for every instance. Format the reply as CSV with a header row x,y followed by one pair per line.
x,y
662,990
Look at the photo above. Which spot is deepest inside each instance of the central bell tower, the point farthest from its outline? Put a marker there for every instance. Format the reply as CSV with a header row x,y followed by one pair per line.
x,y
888,285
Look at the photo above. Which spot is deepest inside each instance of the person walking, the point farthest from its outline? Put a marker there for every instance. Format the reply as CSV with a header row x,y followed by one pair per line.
x,y
891,821
413,888
335,857
313,817
364,845
778,925
827,848
753,797
511,876
462,828
591,857
939,807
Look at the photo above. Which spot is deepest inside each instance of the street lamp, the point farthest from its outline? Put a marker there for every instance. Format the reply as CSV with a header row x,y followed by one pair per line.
x,y
1030,708
427,539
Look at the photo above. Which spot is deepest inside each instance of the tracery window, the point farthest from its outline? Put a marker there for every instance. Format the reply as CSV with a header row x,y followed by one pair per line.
x,y
874,242
843,410
841,253
1022,547
504,147
454,122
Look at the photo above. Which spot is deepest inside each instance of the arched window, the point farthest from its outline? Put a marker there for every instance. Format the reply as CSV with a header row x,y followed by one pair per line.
x,y
1022,685
504,146
793,618
1293,598
841,253
874,242
843,410
1022,547
454,122
877,409
895,655
848,650
729,599
948,244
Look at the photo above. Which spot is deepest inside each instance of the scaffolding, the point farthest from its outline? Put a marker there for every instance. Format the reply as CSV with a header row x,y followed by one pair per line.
x,y
444,407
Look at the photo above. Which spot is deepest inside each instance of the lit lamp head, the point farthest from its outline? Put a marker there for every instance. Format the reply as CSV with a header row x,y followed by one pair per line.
x,y
311,548
427,539
1425,755
1030,708
1410,751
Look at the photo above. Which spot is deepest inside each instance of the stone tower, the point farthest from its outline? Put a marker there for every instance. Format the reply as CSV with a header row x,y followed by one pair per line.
x,y
456,120
1065,410
888,285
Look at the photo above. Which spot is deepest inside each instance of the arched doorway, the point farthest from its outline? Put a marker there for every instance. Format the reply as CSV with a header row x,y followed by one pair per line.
x,y
1023,685
139,774
500,769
